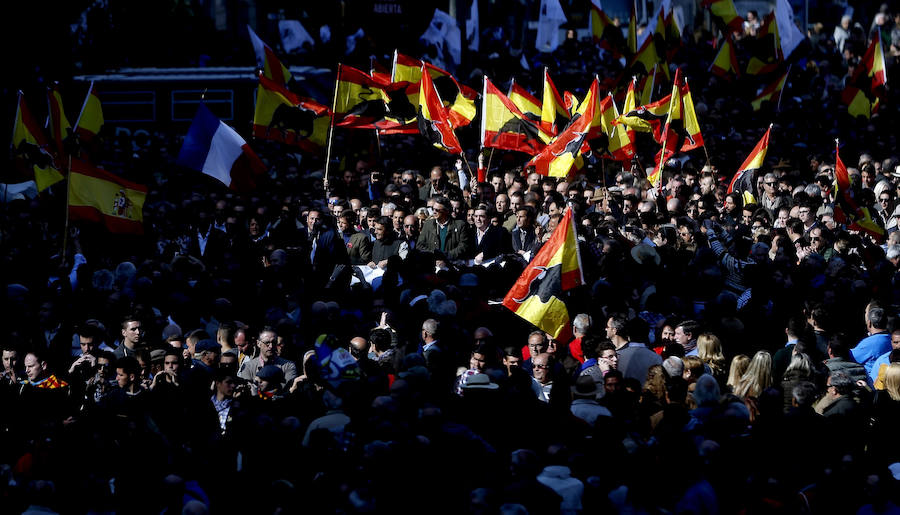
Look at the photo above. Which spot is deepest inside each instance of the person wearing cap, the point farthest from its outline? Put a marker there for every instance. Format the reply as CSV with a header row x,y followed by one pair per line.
x,y
585,405
269,381
266,342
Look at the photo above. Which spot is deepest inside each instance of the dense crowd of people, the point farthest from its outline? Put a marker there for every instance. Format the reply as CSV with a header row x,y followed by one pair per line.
x,y
336,344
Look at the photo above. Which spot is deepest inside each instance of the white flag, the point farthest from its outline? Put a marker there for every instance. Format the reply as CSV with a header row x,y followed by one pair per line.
x,y
258,47
552,17
472,28
293,35
444,34
787,29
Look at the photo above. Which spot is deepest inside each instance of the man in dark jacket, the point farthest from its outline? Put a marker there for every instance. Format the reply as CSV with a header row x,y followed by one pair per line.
x,y
441,233
490,240
386,244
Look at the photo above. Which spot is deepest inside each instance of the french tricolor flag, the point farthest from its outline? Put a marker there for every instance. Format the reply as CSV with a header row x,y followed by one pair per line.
x,y
218,151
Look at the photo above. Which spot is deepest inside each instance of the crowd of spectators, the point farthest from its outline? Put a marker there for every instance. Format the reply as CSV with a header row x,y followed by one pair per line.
x,y
337,346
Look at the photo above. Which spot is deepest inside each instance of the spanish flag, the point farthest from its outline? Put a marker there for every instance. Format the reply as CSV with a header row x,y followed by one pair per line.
x,y
725,64
866,86
593,101
58,123
846,209
766,54
537,294
667,36
282,116
525,101
742,182
648,84
645,59
266,59
31,151
362,102
433,121
648,118
725,15
681,131
460,99
605,33
99,196
620,139
90,120
554,114
771,93
564,153
504,126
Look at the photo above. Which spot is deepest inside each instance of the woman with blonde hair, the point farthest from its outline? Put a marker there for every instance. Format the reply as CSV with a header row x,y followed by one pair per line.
x,y
886,414
739,365
801,369
757,378
709,349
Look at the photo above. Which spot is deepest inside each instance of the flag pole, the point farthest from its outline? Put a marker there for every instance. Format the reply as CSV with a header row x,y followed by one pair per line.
x,y
378,141
490,157
68,194
84,105
781,93
331,131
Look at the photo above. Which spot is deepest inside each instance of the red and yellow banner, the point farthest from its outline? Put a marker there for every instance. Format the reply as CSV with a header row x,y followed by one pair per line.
x,y
99,196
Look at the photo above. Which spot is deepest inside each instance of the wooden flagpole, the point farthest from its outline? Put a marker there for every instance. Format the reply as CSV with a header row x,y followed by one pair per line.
x,y
331,131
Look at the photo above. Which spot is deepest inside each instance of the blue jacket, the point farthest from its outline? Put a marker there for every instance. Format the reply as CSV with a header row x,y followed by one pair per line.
x,y
869,348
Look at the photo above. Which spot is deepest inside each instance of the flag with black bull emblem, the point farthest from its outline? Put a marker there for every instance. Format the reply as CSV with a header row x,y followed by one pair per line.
x,y
537,294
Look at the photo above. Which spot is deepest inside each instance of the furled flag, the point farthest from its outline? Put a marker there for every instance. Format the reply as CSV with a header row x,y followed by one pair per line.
x,y
631,44
725,15
444,35
537,294
472,27
593,100
525,101
564,153
604,31
789,34
551,17
742,182
294,35
267,61
554,114
217,150
765,50
282,116
725,64
31,151
772,92
846,209
57,122
681,131
504,126
433,122
99,196
362,102
648,84
866,86
459,99
667,35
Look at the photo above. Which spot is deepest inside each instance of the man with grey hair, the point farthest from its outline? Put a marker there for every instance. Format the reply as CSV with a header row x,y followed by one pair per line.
x,y
878,340
580,327
673,366
769,196
893,255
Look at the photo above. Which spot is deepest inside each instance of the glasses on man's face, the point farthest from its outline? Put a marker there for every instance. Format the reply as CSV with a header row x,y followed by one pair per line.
x,y
541,366
267,343
757,227
884,200
769,183
408,226
815,238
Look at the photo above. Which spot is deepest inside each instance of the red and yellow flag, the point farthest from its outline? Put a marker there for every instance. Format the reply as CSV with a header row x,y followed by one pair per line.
x,y
554,114
620,139
742,182
771,93
725,64
866,87
632,30
564,154
58,123
525,101
505,126
282,116
681,131
99,196
605,32
459,99
667,36
846,210
271,66
766,54
537,294
31,152
90,120
433,121
362,102
724,14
